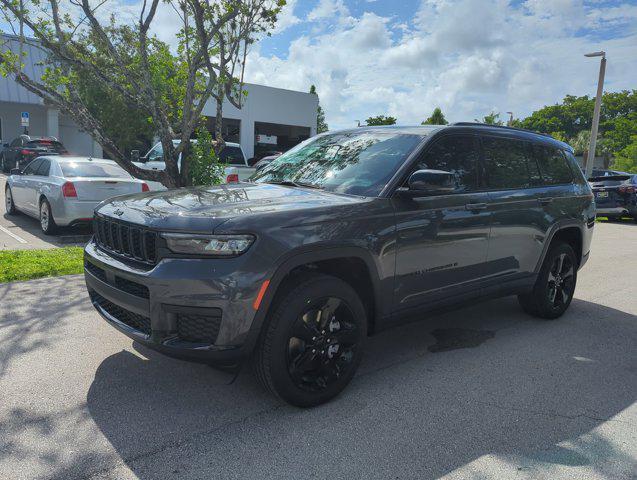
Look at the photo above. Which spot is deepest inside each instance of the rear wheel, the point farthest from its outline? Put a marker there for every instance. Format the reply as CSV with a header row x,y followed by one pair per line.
x,y
47,223
555,285
312,344
8,202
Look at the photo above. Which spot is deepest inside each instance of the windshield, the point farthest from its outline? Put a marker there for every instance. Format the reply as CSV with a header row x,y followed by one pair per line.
x,y
356,163
86,169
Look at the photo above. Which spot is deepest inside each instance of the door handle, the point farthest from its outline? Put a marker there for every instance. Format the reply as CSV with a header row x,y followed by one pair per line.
x,y
475,206
545,201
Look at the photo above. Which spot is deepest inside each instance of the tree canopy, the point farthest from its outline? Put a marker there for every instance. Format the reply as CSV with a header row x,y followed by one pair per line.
x,y
321,125
436,118
380,120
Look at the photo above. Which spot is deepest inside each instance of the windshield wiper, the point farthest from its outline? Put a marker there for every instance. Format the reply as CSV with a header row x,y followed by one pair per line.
x,y
292,183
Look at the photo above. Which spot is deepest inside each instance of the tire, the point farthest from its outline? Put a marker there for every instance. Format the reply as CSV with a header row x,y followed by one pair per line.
x,y
8,202
47,222
555,285
313,340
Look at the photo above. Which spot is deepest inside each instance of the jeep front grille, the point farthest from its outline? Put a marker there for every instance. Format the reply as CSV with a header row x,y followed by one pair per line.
x,y
126,239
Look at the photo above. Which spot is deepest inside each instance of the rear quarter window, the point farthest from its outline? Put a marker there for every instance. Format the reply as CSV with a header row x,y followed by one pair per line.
x,y
553,165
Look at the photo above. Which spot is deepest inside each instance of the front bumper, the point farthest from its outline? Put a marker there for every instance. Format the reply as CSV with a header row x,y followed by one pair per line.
x,y
193,309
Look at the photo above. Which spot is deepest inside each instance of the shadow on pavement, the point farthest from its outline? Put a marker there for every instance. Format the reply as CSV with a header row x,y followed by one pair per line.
x,y
523,387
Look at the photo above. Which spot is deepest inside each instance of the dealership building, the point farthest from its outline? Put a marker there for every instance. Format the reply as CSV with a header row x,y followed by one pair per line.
x,y
270,119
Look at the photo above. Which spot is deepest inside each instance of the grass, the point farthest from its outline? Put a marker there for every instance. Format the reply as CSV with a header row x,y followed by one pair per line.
x,y
28,264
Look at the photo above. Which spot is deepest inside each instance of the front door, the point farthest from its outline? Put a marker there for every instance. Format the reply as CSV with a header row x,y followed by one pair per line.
x,y
442,240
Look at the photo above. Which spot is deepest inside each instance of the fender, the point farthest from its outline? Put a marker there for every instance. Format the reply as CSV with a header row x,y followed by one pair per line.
x,y
556,227
304,256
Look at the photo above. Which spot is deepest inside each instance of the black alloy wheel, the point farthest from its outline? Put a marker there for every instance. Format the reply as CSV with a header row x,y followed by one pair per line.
x,y
322,344
313,340
555,284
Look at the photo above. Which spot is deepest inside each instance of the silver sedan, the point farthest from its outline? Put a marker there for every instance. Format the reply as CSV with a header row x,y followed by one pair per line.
x,y
62,191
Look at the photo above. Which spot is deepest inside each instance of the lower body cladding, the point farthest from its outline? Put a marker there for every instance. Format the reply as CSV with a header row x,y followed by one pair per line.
x,y
193,309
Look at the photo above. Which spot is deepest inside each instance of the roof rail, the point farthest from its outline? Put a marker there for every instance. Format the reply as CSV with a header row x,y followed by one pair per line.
x,y
478,124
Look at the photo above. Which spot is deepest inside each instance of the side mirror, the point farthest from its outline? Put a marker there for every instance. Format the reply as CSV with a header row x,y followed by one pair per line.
x,y
430,182
134,155
15,171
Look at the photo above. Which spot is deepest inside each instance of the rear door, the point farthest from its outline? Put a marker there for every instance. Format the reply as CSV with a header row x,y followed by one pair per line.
x,y
442,240
36,183
519,222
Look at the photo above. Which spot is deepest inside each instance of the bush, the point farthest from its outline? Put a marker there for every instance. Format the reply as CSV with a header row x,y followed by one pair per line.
x,y
205,167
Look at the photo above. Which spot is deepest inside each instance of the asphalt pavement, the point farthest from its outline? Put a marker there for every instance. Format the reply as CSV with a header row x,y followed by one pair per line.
x,y
21,232
482,392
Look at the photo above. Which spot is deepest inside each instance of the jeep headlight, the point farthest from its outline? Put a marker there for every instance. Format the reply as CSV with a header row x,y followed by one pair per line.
x,y
213,245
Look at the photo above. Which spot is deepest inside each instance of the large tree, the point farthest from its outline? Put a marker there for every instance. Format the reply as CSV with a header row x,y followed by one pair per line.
x,y
380,120
321,124
127,62
436,118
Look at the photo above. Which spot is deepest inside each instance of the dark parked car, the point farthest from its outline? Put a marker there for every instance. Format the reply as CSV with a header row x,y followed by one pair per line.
x,y
615,195
21,151
344,235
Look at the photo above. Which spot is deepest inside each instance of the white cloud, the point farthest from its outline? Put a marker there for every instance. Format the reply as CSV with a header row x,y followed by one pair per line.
x,y
326,9
467,57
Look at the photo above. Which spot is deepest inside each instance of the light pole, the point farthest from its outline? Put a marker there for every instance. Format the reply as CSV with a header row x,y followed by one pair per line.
x,y
598,103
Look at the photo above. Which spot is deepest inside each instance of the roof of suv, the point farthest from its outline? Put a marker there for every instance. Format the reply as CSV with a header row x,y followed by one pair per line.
x,y
464,126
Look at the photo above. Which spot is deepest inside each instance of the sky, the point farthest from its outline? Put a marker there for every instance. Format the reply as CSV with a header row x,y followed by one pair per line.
x,y
469,57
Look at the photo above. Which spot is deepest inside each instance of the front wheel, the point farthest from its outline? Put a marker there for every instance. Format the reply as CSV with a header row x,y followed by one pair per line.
x,y
312,344
47,223
555,285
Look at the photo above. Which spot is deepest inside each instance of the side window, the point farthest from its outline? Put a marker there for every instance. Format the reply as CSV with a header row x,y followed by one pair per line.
x,y
232,156
457,154
43,169
553,165
507,164
156,154
32,167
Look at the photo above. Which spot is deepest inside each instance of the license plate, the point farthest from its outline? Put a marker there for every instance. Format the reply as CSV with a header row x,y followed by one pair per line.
x,y
602,194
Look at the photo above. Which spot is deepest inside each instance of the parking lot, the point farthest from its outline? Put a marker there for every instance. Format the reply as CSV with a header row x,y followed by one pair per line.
x,y
20,232
481,392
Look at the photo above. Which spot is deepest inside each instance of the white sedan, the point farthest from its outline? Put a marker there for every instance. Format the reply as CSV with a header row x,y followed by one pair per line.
x,y
62,191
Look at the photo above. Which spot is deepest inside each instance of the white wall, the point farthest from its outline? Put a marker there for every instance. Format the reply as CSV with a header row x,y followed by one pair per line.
x,y
271,105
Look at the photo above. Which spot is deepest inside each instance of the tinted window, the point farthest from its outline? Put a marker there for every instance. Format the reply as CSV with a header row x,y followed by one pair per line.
x,y
457,154
507,164
355,162
43,169
553,165
16,143
232,155
32,167
87,169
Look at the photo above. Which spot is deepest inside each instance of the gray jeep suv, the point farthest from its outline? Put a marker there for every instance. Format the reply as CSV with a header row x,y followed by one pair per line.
x,y
346,234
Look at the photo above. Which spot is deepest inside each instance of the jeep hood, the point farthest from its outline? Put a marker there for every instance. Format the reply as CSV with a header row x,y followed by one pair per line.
x,y
205,208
